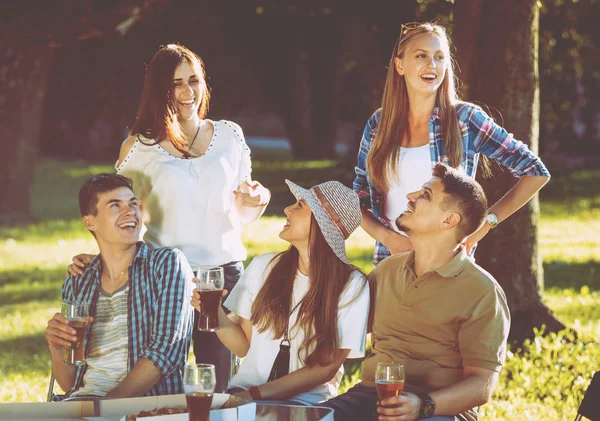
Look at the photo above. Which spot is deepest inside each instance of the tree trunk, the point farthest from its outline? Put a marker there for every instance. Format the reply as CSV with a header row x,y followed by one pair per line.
x,y
298,118
310,115
24,70
501,60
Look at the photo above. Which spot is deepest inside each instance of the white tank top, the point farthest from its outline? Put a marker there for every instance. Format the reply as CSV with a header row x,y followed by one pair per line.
x,y
414,170
188,203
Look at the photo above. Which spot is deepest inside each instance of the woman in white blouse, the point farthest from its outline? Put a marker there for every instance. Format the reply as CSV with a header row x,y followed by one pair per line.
x,y
308,299
193,176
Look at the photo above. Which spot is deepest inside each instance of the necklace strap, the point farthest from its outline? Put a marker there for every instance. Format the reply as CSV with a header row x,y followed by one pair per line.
x,y
286,333
187,154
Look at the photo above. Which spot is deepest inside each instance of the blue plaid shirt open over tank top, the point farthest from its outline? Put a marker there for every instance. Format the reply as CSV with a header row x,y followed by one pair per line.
x,y
480,135
160,317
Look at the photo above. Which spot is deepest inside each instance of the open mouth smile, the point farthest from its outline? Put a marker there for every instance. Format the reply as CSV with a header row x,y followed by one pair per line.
x,y
129,225
429,77
187,102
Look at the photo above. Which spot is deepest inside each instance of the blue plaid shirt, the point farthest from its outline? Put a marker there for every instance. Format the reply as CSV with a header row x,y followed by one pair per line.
x,y
160,318
480,135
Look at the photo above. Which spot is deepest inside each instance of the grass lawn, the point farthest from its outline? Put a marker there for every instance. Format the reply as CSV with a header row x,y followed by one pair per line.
x,y
544,379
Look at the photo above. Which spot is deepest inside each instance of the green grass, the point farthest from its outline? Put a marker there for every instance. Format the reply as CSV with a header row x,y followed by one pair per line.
x,y
544,379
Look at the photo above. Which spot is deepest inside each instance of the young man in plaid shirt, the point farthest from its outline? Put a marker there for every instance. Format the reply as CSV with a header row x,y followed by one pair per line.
x,y
141,320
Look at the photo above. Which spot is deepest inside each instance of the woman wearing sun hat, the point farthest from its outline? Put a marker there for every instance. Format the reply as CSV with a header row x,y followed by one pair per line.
x,y
300,313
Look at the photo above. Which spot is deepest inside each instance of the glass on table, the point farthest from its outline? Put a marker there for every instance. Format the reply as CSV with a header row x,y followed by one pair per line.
x,y
199,382
210,285
389,379
77,314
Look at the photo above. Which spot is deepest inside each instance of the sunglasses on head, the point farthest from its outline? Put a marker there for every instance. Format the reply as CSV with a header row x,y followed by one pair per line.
x,y
407,27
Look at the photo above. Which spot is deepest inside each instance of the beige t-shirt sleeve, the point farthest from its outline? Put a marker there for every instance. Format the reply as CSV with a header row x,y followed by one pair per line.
x,y
483,334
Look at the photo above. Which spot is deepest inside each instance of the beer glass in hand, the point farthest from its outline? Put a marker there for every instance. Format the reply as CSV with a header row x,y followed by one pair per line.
x,y
210,285
77,314
389,379
199,384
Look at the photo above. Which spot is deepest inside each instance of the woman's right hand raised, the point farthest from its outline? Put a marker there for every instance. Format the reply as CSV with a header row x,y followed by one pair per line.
x,y
79,263
196,302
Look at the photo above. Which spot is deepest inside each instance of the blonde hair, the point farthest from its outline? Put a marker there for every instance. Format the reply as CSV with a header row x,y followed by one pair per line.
x,y
393,121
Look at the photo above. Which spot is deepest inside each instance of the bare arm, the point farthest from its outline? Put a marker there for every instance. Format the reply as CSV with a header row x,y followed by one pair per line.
x,y
79,264
301,380
142,377
474,390
511,202
518,196
395,242
234,332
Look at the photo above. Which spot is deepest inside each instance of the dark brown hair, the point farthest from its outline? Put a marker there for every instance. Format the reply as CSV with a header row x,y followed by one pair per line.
x,y
464,193
157,115
318,313
100,183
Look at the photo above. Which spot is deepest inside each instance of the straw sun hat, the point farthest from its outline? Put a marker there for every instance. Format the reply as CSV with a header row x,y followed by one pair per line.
x,y
336,209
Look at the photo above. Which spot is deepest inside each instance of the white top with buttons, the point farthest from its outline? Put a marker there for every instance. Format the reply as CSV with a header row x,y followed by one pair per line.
x,y
188,203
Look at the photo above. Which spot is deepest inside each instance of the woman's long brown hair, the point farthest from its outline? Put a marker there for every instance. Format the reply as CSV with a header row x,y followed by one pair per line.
x,y
393,121
157,115
318,313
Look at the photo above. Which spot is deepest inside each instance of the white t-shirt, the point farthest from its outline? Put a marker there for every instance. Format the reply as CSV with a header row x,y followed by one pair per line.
x,y
352,329
188,203
414,170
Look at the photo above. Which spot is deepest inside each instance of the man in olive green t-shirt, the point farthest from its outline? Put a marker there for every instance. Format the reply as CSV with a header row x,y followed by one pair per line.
x,y
435,311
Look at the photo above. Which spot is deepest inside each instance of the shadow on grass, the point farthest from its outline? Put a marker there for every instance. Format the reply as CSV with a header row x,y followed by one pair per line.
x,y
23,286
571,192
558,274
25,354
578,311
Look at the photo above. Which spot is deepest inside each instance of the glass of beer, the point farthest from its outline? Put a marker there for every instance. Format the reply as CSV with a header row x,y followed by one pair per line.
x,y
210,286
77,313
389,379
199,384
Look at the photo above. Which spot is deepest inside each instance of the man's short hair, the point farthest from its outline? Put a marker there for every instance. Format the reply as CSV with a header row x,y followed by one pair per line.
x,y
464,193
100,183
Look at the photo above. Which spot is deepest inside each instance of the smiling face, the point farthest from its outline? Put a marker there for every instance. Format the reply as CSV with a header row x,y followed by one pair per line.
x,y
424,213
296,230
424,63
187,90
118,218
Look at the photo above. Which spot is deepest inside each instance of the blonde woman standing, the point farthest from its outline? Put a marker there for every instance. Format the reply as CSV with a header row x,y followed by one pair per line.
x,y
421,123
